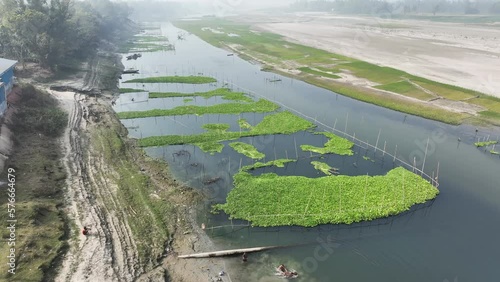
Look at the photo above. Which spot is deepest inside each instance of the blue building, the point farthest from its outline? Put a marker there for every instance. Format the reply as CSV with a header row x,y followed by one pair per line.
x,y
6,82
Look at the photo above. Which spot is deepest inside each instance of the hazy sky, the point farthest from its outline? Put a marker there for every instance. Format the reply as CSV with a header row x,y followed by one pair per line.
x,y
228,6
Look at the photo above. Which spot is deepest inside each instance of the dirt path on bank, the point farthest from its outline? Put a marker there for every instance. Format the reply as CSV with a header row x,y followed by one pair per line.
x,y
110,252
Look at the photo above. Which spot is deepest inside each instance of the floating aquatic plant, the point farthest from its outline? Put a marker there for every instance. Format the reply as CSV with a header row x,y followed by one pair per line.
x,y
272,200
247,150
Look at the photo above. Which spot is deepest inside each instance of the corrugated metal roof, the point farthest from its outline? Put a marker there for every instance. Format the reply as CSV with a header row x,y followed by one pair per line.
x,y
6,64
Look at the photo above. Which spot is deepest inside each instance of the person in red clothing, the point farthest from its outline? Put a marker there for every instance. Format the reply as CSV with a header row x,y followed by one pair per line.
x,y
85,230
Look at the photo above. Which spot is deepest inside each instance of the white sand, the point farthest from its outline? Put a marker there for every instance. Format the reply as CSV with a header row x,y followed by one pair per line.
x,y
457,54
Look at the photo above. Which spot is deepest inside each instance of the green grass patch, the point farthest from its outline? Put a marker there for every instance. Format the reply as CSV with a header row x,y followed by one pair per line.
x,y
490,114
174,79
151,215
447,91
394,103
315,72
38,182
278,123
494,152
261,106
484,144
272,200
247,150
330,69
187,100
130,90
335,145
488,102
225,93
372,72
407,89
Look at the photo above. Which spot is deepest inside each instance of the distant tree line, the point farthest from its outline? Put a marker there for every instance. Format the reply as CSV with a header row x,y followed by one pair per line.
x,y
51,32
401,7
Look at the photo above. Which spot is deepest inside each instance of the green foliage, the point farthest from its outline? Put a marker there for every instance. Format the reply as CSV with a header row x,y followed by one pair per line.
x,y
39,187
278,123
187,100
39,112
174,79
272,200
484,144
335,145
260,106
149,223
55,32
225,93
494,152
244,124
247,150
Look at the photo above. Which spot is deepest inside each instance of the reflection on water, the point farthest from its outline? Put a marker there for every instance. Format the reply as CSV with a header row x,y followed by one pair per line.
x,y
452,236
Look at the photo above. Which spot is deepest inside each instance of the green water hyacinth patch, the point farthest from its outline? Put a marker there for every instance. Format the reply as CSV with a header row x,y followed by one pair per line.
x,y
278,123
272,200
323,167
276,163
130,90
247,150
335,145
225,93
210,147
484,144
261,106
174,79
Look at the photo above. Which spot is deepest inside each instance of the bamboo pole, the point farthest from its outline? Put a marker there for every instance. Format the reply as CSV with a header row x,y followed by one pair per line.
x,y
395,153
346,119
296,151
228,252
425,156
437,175
378,137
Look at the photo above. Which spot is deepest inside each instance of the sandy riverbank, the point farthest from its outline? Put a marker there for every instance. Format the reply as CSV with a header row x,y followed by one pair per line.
x,y
466,55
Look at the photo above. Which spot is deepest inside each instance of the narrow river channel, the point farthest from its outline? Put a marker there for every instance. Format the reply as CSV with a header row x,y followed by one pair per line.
x,y
453,238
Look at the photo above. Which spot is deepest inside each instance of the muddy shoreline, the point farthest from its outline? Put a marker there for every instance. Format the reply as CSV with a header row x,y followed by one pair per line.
x,y
113,250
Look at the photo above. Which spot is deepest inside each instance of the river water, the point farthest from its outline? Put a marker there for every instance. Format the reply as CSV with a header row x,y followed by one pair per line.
x,y
452,238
